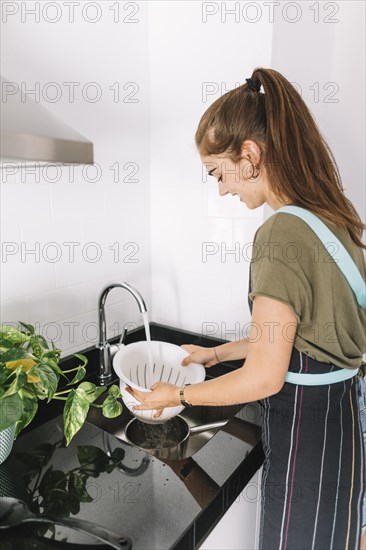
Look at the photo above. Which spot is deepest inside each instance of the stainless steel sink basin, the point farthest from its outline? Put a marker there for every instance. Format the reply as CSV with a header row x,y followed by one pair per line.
x,y
242,421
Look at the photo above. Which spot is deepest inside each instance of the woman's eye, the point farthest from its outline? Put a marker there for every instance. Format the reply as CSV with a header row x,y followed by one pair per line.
x,y
220,179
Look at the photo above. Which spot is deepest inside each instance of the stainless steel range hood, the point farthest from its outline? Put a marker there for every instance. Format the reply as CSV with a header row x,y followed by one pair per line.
x,y
31,134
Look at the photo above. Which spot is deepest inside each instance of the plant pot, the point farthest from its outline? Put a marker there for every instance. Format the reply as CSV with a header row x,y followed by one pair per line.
x,y
6,442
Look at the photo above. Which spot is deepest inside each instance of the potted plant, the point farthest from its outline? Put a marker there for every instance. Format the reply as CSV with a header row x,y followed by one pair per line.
x,y
30,372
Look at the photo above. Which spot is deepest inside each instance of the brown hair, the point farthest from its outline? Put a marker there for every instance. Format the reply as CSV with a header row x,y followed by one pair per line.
x,y
299,163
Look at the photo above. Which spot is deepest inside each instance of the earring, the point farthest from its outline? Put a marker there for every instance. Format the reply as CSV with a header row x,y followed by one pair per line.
x,y
253,175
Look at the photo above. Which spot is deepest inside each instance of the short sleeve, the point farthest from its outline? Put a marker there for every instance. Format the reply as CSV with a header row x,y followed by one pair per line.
x,y
276,271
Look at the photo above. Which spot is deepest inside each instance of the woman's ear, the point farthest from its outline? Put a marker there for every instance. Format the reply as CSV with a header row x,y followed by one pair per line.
x,y
251,151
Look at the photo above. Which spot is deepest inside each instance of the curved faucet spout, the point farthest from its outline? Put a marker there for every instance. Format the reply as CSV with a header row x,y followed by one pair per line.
x,y
105,371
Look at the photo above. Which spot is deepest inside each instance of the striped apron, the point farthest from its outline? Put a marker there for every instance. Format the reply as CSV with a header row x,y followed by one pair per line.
x,y
313,473
313,481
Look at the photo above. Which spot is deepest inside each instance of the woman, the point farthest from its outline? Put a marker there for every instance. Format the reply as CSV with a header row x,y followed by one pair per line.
x,y
265,147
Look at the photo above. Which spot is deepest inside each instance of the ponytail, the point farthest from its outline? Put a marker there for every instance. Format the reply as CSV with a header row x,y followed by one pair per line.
x,y
298,162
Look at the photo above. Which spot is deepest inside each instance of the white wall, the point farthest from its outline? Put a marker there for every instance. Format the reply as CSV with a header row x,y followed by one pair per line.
x,y
194,57
62,296
324,54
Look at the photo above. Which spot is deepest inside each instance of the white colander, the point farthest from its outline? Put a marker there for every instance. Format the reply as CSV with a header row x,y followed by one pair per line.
x,y
131,365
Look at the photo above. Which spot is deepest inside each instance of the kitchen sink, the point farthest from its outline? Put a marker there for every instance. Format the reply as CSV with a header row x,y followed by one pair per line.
x,y
242,421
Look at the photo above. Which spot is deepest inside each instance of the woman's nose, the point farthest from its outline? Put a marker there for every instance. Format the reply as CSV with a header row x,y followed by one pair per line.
x,y
222,189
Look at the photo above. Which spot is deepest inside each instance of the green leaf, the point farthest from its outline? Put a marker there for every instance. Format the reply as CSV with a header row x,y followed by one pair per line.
x,y
111,407
11,409
114,391
5,345
80,374
4,377
92,391
77,488
48,381
43,341
15,354
54,353
19,380
53,364
75,412
37,346
82,358
30,407
12,334
29,328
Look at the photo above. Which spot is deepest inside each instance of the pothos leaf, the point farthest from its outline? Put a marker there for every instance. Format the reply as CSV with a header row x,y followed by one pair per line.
x,y
114,391
111,407
30,407
29,328
92,391
37,346
75,412
12,334
80,374
48,381
15,354
20,379
82,358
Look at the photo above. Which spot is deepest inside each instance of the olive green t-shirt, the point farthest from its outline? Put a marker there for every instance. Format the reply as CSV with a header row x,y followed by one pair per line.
x,y
290,264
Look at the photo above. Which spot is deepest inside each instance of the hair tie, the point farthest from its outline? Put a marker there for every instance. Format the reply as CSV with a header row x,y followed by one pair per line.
x,y
252,85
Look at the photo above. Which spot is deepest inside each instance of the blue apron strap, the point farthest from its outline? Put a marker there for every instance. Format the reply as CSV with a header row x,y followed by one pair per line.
x,y
307,379
341,257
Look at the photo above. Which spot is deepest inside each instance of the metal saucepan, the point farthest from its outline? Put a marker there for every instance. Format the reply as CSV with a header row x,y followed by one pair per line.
x,y
168,440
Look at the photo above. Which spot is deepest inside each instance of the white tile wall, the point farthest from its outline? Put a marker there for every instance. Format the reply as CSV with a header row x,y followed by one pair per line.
x,y
81,205
188,215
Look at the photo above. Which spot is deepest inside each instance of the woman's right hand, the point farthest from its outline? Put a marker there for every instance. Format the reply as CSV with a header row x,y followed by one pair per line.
x,y
199,354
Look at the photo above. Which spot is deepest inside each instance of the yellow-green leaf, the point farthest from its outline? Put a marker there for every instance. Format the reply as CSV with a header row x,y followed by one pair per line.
x,y
75,412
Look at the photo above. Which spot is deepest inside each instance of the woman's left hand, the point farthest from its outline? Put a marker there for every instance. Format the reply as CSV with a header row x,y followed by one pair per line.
x,y
162,395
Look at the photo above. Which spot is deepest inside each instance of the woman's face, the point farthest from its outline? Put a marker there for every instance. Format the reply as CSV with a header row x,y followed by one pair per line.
x,y
236,179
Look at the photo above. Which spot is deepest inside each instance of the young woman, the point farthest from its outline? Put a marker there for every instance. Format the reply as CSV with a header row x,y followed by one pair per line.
x,y
262,144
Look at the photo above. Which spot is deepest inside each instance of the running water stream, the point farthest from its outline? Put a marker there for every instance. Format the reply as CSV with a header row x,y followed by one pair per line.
x,y
150,379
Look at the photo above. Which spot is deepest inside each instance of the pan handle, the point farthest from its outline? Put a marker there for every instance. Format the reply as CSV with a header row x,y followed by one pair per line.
x,y
210,426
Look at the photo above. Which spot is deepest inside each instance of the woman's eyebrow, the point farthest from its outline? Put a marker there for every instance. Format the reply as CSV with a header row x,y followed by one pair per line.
x,y
211,171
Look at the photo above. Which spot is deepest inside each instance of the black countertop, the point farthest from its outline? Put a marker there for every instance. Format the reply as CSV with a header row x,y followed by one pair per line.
x,y
158,505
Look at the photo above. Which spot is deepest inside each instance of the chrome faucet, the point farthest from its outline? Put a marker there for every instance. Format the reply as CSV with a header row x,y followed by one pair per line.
x,y
106,351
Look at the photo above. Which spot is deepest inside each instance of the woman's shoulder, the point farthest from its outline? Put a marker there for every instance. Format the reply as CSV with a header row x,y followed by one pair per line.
x,y
281,227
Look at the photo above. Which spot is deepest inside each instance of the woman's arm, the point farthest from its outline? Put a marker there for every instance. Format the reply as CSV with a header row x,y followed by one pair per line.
x,y
270,344
211,356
